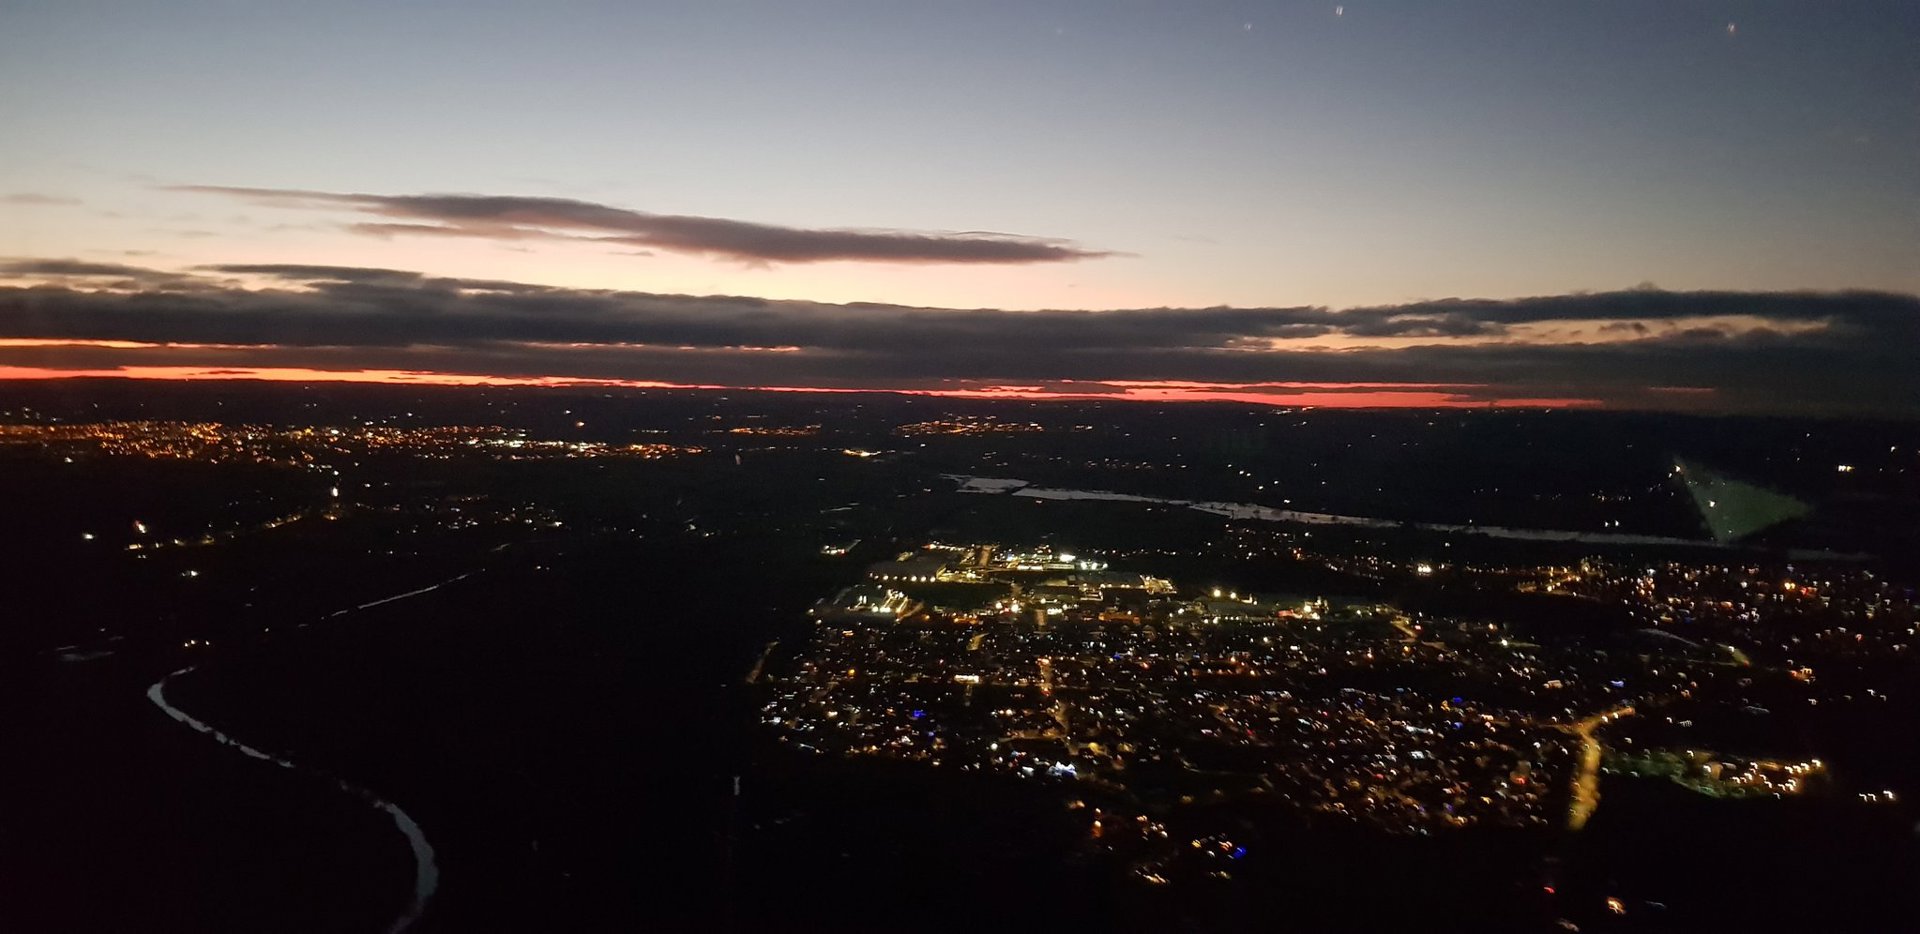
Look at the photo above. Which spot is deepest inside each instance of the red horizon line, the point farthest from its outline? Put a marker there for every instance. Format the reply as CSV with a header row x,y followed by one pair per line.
x,y
1415,396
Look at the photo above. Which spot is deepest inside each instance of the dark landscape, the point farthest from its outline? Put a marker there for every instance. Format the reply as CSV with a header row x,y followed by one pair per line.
x,y
1267,466
567,715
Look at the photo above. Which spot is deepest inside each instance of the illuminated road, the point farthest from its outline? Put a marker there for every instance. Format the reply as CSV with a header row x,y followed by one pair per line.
x,y
760,666
216,538
1400,622
1586,780
402,596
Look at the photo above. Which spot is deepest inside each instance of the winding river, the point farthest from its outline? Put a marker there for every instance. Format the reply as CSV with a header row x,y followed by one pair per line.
x,y
426,871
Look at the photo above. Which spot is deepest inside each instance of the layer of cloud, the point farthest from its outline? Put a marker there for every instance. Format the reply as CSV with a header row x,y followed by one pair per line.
x,y
508,217
1764,352
95,274
35,199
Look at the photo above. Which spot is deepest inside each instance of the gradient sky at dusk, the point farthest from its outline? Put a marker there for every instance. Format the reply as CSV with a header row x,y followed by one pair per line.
x,y
1018,156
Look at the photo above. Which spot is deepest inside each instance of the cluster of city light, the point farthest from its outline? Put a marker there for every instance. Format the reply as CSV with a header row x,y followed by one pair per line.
x,y
970,426
776,431
1121,680
217,442
1070,682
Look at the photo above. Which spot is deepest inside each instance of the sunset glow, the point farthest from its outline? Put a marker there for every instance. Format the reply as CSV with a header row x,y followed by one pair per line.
x,y
1370,395
869,466
1200,207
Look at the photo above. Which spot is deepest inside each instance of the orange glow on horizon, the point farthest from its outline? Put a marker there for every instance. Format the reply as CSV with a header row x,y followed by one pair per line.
x,y
1378,399
1318,395
1189,384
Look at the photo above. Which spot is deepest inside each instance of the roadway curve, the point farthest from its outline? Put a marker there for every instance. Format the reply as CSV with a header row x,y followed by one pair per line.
x,y
1586,779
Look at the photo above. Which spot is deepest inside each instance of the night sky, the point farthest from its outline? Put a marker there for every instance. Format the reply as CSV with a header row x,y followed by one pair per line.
x,y
1703,206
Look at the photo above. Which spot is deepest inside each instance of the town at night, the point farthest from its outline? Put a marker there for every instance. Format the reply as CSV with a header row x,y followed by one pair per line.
x,y
1008,465
793,642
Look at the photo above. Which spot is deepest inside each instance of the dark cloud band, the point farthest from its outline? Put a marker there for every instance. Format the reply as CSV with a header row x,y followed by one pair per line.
x,y
1800,352
506,217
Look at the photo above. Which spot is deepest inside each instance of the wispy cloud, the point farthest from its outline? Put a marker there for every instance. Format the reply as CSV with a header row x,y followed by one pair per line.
x,y
119,276
32,199
509,217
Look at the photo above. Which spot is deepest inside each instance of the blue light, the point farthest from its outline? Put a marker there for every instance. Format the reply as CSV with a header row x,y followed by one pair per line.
x,y
1238,852
918,714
